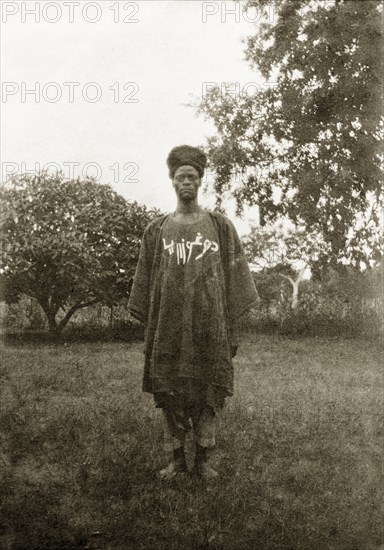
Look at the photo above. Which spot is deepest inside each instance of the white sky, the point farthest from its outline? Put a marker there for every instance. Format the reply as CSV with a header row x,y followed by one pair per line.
x,y
169,53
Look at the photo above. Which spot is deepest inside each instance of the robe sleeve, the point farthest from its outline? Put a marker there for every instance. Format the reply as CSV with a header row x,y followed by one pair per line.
x,y
241,290
138,304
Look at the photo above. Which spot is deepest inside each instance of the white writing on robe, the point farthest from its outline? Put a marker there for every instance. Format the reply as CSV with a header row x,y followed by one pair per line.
x,y
185,248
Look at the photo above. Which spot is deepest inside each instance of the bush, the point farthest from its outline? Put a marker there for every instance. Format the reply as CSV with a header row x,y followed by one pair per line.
x,y
104,324
321,312
24,315
25,320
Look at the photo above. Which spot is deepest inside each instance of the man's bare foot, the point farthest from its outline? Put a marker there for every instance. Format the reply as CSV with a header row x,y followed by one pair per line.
x,y
175,467
204,471
201,467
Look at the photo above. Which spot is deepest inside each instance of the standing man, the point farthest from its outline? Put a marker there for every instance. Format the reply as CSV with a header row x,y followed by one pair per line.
x,y
191,284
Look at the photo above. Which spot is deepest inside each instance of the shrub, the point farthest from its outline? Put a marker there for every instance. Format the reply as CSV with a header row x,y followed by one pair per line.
x,y
24,320
321,311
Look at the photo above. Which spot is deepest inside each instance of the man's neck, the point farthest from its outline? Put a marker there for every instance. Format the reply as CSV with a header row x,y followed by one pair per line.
x,y
185,208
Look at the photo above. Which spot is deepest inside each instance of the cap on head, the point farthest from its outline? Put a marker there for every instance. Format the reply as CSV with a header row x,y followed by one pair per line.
x,y
185,155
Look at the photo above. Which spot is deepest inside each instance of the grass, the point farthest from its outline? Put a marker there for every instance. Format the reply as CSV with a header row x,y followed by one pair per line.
x,y
299,452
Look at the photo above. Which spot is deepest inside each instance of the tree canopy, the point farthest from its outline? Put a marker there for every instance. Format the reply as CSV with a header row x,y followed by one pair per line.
x,y
308,147
68,243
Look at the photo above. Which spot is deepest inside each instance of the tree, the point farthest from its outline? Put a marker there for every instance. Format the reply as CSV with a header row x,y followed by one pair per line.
x,y
286,253
309,146
68,243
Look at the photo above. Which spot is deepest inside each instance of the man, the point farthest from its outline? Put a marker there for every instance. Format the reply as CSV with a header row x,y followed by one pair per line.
x,y
191,284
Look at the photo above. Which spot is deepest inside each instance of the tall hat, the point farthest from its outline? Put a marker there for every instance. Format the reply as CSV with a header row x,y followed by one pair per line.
x,y
186,155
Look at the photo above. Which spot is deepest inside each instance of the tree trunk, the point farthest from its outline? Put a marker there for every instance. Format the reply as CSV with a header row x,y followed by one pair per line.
x,y
50,315
295,287
63,323
53,327
56,328
295,293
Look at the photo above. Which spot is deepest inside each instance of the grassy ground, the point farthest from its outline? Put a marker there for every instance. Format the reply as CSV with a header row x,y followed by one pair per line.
x,y
299,450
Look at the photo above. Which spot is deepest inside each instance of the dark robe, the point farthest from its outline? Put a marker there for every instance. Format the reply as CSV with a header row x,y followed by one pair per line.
x,y
192,282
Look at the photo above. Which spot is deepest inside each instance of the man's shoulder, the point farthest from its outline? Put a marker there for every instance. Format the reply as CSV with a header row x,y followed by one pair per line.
x,y
156,223
220,219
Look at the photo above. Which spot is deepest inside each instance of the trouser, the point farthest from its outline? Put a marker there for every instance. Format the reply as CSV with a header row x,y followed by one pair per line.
x,y
177,424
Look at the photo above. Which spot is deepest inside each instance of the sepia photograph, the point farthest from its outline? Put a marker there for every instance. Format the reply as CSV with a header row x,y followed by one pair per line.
x,y
192,275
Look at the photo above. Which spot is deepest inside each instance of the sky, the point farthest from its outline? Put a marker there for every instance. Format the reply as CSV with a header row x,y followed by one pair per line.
x,y
101,88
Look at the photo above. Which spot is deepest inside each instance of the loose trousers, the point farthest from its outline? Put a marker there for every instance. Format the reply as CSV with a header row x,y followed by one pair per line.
x,y
177,423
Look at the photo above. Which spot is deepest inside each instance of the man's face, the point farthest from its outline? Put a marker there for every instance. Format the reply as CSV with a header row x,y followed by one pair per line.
x,y
186,182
